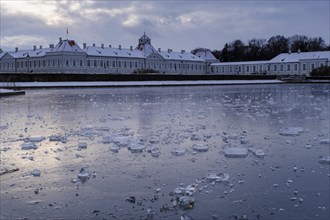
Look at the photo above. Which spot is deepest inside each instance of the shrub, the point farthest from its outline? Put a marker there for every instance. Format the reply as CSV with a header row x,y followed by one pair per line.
x,y
321,71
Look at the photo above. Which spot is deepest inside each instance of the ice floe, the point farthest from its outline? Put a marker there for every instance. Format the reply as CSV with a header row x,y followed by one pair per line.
x,y
291,131
29,146
218,177
235,152
35,172
324,159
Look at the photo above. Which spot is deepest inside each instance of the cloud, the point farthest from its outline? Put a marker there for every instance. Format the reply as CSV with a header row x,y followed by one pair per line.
x,y
170,24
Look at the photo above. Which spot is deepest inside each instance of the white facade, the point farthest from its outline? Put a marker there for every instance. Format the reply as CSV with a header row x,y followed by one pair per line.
x,y
68,57
284,64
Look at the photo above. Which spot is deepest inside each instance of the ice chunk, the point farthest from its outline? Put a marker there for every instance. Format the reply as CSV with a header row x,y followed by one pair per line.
x,y
257,152
200,148
121,141
35,172
57,138
185,202
107,140
324,141
235,152
29,146
291,131
178,152
115,148
83,175
324,160
36,139
218,177
82,145
155,152
136,148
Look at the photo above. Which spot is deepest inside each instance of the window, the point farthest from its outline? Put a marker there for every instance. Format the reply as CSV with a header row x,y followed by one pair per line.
x,y
95,63
119,63
130,64
281,67
136,64
321,64
101,63
223,69
88,63
34,63
313,66
81,63
39,63
67,62
254,69
113,63
295,66
304,66
58,63
231,69
275,67
125,64
247,69
269,68
108,63
73,62
288,67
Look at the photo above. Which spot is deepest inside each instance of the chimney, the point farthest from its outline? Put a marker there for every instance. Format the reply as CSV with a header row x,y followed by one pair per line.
x,y
60,39
102,46
169,50
110,46
93,45
119,47
40,47
16,49
159,50
131,47
183,51
34,47
84,45
51,45
0,50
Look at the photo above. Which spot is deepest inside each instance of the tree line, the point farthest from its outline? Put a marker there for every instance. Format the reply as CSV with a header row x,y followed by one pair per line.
x,y
262,49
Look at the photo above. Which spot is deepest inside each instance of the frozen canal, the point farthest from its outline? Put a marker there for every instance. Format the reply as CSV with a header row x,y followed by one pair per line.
x,y
205,152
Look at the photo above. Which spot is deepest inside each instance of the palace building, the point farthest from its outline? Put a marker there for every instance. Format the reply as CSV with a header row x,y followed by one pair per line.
x,y
68,57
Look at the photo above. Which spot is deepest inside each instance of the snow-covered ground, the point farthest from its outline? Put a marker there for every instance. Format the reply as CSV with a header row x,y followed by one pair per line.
x,y
135,83
9,92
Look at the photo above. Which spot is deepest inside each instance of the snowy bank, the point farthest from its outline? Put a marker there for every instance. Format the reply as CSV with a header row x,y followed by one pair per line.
x,y
7,92
137,83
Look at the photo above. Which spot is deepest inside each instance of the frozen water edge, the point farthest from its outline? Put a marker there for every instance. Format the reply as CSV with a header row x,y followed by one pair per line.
x,y
137,83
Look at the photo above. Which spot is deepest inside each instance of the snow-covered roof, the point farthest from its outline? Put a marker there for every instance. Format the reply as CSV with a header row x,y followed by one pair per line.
x,y
240,63
206,55
67,46
29,53
170,55
295,57
2,54
113,52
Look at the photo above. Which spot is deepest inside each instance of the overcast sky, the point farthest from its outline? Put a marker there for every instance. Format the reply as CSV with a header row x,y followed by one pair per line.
x,y
172,24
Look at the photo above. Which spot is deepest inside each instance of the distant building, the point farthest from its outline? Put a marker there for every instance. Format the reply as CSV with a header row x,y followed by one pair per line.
x,y
68,57
301,63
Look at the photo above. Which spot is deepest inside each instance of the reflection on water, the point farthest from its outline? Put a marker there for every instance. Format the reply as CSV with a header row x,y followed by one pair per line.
x,y
150,150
